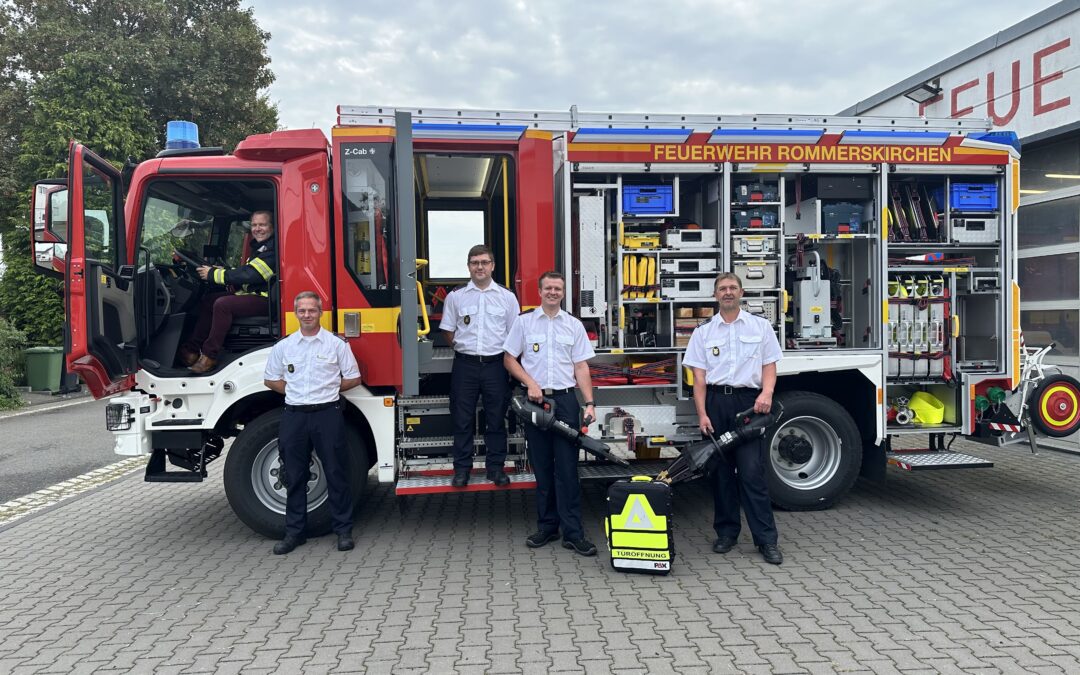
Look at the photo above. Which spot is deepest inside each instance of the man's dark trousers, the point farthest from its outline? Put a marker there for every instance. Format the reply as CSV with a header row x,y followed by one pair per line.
x,y
325,431
749,486
471,379
554,461
216,314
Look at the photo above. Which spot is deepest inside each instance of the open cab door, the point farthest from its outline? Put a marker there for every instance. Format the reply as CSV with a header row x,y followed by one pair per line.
x,y
99,286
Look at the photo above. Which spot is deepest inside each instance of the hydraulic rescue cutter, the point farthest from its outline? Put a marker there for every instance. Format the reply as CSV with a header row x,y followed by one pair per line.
x,y
543,417
699,459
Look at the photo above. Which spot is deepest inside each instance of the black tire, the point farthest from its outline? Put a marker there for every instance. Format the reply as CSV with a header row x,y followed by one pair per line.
x,y
1054,406
815,453
252,493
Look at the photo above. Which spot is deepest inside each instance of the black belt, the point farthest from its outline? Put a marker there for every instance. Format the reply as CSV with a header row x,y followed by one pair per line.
x,y
478,358
728,389
555,392
314,407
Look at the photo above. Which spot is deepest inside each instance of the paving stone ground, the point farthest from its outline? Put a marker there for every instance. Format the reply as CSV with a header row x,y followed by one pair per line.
x,y
936,572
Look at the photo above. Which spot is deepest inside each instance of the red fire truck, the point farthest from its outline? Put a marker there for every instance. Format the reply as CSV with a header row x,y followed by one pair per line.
x,y
882,251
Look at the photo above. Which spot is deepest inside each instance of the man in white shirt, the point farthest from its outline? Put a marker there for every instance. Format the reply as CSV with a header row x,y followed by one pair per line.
x,y
734,358
311,367
554,350
476,319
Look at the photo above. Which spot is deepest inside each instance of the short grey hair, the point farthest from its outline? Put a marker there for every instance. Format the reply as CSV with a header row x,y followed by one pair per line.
x,y
304,295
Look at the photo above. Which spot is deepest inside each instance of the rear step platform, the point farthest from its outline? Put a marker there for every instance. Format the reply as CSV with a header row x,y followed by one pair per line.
x,y
437,481
923,461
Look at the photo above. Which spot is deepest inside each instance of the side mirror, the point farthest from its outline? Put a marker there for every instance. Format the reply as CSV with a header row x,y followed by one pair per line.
x,y
48,215
49,211
50,259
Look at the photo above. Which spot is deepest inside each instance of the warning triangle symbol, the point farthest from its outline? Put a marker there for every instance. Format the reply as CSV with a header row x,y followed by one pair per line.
x,y
408,428
638,518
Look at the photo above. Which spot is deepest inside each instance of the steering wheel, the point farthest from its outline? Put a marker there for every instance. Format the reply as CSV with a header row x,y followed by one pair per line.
x,y
190,258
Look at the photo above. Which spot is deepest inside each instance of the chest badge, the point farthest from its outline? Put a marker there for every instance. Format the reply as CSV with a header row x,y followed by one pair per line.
x,y
536,346
716,351
467,320
292,368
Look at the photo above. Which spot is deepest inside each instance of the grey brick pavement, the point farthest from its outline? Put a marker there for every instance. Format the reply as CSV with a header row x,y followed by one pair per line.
x,y
937,572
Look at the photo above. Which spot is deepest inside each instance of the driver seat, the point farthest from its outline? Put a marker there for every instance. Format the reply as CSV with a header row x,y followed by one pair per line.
x,y
250,332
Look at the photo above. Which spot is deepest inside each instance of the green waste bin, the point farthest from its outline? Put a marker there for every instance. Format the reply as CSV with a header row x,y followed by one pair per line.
x,y
43,366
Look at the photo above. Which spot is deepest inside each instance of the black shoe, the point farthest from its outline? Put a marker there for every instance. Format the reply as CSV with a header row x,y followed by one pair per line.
x,y
582,546
724,544
771,553
287,545
539,538
461,478
499,477
344,542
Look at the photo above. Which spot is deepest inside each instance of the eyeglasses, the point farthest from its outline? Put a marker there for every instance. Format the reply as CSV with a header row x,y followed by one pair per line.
x,y
481,263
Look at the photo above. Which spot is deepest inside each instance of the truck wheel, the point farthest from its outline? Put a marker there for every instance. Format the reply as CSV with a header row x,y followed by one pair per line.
x,y
1054,406
256,494
814,453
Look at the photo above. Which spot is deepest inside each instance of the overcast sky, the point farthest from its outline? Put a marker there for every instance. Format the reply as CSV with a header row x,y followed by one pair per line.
x,y
724,57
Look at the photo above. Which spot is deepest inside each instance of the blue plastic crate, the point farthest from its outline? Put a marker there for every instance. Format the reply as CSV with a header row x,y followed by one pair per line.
x,y
973,197
644,200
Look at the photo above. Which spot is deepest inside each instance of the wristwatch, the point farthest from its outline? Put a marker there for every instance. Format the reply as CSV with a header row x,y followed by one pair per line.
x,y
589,403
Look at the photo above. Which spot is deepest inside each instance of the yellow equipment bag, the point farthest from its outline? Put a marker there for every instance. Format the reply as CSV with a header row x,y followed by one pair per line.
x,y
638,526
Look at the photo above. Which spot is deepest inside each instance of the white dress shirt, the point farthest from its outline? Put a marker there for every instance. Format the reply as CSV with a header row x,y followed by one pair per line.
x,y
549,347
733,353
312,367
479,318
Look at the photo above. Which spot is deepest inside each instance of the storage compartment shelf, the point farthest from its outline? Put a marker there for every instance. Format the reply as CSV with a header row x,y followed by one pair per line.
x,y
900,429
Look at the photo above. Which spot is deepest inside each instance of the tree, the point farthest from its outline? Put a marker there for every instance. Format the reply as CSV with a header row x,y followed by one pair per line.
x,y
203,60
110,74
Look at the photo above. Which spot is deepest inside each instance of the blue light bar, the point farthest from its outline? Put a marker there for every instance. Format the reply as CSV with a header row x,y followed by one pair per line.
x,y
1000,137
605,135
498,132
894,138
766,135
181,135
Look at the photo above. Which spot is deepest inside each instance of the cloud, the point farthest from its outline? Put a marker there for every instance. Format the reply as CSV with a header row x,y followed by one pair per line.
x,y
730,56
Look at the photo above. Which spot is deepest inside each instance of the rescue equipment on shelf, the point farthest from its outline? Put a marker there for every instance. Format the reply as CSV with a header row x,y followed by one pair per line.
x,y
638,526
927,408
543,417
699,459
639,277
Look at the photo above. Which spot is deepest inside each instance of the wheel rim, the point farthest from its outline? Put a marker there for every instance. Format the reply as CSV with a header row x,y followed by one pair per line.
x,y
1059,406
823,462
270,491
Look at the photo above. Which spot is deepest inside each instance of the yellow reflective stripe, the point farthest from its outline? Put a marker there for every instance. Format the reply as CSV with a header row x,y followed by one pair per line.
x,y
219,276
372,319
654,540
362,131
292,324
262,293
641,555
262,268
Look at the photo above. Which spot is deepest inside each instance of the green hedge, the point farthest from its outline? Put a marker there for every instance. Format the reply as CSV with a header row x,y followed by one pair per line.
x,y
12,342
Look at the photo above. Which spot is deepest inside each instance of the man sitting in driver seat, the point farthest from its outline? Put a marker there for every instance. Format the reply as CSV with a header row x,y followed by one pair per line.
x,y
246,294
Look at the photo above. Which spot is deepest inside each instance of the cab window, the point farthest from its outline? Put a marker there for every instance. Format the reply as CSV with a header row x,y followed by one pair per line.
x,y
97,215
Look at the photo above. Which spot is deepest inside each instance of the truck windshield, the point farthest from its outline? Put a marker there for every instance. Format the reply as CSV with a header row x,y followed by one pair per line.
x,y
207,218
168,226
